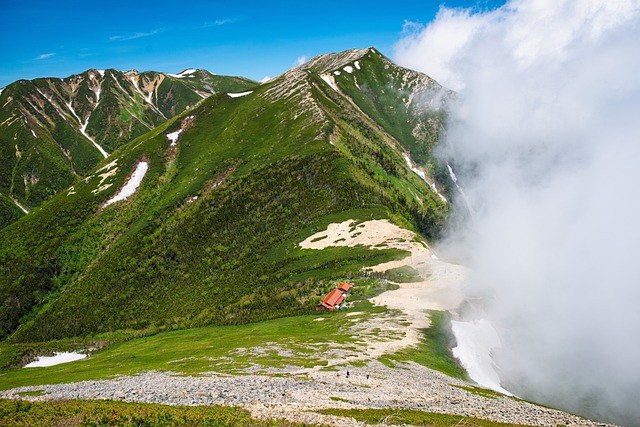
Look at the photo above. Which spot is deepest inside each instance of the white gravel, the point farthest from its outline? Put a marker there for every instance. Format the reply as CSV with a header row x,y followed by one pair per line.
x,y
292,396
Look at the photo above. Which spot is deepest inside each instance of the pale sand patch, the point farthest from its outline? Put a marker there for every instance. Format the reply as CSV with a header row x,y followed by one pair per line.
x,y
354,313
440,289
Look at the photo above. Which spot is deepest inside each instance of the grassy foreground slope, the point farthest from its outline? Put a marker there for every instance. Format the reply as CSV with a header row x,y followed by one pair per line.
x,y
211,235
108,413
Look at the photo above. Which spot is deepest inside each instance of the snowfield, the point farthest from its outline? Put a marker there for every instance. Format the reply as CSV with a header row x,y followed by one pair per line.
x,y
59,358
239,94
476,339
173,136
330,81
132,185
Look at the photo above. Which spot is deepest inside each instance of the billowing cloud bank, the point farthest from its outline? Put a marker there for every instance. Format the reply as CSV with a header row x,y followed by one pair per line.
x,y
546,142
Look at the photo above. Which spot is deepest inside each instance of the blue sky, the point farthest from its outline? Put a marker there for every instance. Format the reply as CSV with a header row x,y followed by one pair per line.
x,y
251,39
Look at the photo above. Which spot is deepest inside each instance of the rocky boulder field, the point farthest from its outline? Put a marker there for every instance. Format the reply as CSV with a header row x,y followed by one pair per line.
x,y
295,395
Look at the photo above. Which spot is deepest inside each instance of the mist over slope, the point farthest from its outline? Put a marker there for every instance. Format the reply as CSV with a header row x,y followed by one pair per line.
x,y
546,145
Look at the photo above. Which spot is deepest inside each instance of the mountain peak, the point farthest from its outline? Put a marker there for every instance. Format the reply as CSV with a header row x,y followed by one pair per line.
x,y
331,61
189,72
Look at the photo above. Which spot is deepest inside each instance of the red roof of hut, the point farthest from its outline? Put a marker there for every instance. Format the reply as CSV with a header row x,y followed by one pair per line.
x,y
334,298
344,287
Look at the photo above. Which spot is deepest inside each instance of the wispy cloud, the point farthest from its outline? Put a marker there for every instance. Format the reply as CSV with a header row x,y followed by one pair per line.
x,y
220,22
136,35
45,56
301,60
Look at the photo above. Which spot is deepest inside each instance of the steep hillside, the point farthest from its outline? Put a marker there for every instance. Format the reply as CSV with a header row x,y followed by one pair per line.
x,y
226,193
53,131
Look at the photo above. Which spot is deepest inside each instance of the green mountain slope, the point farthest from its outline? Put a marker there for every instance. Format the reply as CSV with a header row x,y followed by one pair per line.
x,y
229,189
53,131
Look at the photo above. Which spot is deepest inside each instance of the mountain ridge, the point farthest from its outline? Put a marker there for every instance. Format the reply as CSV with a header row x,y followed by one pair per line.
x,y
53,130
322,154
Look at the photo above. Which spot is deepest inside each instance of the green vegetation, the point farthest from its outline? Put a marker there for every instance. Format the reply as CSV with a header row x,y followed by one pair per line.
x,y
289,341
211,236
435,350
9,212
412,417
410,108
41,142
109,413
404,274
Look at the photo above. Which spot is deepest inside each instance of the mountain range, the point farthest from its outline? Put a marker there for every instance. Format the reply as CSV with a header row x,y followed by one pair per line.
x,y
197,219
53,131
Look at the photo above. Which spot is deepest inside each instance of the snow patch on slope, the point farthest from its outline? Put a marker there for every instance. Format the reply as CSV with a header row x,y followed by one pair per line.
x,y
22,208
109,165
475,342
132,185
454,178
348,69
239,94
83,130
422,175
330,81
59,358
173,136
183,74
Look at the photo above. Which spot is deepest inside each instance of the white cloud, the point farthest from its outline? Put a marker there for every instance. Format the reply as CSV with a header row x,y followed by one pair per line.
x,y
300,60
136,35
45,56
220,22
265,79
546,142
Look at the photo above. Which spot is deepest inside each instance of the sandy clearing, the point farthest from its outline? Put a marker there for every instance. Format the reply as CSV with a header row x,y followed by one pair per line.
x,y
108,166
111,171
440,289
